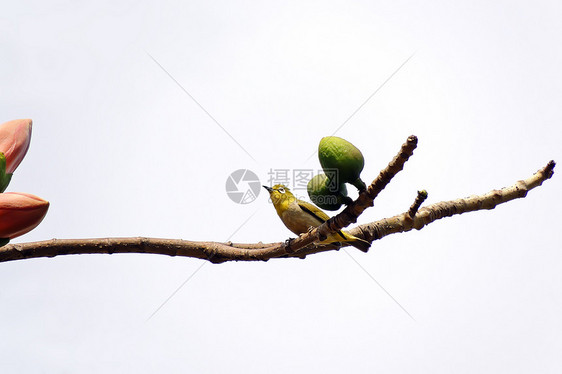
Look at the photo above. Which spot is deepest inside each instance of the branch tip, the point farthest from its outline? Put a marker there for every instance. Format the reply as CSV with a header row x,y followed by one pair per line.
x,y
549,169
422,196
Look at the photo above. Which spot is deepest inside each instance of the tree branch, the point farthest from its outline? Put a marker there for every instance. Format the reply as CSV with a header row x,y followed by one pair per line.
x,y
414,218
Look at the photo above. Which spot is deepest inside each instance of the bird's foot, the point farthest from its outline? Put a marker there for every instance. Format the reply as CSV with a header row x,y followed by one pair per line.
x,y
288,242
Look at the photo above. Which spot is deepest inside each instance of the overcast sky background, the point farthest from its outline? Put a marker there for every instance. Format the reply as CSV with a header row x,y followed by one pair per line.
x,y
120,150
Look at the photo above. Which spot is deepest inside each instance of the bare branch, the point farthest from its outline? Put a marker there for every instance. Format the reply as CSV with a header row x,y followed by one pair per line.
x,y
425,216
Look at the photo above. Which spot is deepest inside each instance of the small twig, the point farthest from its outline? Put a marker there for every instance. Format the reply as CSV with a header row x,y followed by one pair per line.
x,y
422,196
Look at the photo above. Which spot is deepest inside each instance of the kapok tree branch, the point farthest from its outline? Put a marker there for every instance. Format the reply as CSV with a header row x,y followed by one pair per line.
x,y
404,222
431,213
222,252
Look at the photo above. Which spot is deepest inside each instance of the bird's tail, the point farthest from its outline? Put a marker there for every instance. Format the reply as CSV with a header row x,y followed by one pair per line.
x,y
360,244
354,241
343,236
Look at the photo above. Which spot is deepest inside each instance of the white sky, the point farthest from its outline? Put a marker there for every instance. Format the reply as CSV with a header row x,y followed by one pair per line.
x,y
120,150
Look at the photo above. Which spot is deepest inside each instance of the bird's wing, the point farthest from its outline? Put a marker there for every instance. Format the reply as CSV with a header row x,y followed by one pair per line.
x,y
317,213
313,211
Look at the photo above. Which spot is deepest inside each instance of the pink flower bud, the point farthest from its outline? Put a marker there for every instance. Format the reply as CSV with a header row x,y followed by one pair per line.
x,y
14,141
20,213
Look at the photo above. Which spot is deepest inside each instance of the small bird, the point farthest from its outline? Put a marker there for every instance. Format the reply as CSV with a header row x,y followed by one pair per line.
x,y
300,217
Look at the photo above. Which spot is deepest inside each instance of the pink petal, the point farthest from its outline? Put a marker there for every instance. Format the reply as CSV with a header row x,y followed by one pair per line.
x,y
15,137
20,213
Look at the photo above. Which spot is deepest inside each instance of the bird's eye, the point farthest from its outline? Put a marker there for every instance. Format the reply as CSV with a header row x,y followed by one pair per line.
x,y
281,189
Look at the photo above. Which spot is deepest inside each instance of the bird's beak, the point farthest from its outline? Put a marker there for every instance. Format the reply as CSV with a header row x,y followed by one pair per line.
x,y
269,189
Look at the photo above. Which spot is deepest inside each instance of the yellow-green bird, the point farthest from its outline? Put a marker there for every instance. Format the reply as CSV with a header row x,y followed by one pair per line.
x,y
300,216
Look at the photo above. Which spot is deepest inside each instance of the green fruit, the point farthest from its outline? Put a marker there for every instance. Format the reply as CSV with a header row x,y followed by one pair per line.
x,y
327,194
342,160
